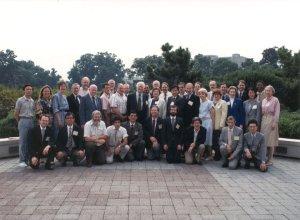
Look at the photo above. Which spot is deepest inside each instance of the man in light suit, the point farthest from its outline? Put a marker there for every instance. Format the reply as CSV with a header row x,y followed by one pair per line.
x,y
89,103
231,144
254,147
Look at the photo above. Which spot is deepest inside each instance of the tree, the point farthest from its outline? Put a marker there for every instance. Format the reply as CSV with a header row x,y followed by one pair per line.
x,y
223,65
288,62
99,68
202,64
142,66
270,57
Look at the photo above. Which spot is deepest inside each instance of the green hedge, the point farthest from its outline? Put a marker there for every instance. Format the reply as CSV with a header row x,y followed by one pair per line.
x,y
289,124
9,126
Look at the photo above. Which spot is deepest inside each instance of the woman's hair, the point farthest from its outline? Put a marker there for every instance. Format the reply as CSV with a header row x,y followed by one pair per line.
x,y
42,90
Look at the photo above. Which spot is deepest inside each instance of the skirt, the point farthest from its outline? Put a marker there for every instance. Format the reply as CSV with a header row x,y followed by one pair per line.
x,y
271,136
207,123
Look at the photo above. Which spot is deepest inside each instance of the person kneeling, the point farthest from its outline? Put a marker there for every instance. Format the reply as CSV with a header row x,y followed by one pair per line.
x,y
95,137
231,144
41,144
69,142
194,140
117,143
254,147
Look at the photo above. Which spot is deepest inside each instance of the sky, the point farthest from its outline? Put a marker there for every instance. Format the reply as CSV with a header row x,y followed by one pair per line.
x,y
55,33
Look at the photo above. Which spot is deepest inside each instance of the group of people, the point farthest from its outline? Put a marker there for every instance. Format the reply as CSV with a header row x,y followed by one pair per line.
x,y
187,123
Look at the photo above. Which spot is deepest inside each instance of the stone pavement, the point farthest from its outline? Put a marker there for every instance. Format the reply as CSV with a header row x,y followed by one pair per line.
x,y
150,190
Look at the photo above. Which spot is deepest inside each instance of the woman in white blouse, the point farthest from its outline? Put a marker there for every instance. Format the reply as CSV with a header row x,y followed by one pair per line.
x,y
159,102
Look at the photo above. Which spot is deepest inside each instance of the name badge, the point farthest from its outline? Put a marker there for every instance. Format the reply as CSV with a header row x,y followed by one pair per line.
x,y
177,126
228,103
172,103
254,107
47,138
136,133
236,138
75,133
156,103
160,126
190,103
146,102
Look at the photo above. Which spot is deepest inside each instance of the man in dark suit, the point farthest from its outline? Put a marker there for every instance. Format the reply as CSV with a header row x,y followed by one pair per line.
x,y
191,105
41,144
74,102
255,147
135,136
154,134
69,142
88,104
173,136
175,99
194,140
242,92
138,102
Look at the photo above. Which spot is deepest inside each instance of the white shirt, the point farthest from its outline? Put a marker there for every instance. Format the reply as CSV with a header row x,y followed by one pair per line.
x,y
231,101
90,129
162,95
69,129
118,101
115,137
82,92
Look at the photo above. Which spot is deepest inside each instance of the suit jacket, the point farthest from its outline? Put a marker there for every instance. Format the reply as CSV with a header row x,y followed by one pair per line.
x,y
256,145
87,107
62,138
244,95
74,106
36,144
174,135
252,111
161,104
236,140
132,105
189,137
158,133
179,102
135,136
236,110
191,109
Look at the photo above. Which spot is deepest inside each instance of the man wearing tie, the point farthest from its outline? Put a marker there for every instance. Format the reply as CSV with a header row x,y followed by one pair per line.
x,y
175,99
154,134
69,142
254,147
165,93
174,136
231,144
135,136
41,144
242,93
191,105
74,102
138,102
88,104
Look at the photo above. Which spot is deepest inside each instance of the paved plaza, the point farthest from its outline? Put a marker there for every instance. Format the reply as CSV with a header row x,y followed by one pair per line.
x,y
150,190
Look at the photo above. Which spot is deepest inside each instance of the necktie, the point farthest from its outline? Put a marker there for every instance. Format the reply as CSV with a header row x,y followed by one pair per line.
x,y
78,99
43,133
70,139
229,137
153,126
165,96
94,100
131,129
139,102
115,136
252,141
173,122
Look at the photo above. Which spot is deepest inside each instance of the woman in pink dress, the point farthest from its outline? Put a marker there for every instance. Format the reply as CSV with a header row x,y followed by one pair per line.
x,y
269,124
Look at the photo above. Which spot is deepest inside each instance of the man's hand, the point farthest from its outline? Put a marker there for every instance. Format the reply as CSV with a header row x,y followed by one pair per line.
x,y
100,141
190,149
229,149
153,139
118,150
34,161
46,150
231,157
263,167
248,154
165,147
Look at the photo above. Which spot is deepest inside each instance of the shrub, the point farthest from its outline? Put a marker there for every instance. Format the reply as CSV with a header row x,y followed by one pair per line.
x,y
289,124
9,126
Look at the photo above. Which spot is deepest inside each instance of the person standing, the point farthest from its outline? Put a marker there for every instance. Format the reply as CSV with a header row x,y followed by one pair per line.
x,y
105,100
212,85
252,108
160,103
260,91
175,99
85,84
24,114
269,124
60,107
165,93
118,103
74,100
191,106
44,104
224,94
242,92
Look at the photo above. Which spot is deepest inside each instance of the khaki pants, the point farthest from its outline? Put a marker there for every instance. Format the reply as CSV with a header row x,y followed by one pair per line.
x,y
195,155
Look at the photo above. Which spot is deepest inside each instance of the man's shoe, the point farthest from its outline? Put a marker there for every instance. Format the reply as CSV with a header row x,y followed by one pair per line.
x,y
22,164
89,164
49,166
199,162
75,164
247,166
64,164
225,165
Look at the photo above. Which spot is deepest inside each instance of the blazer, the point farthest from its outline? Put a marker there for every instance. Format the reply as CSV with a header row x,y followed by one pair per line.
x,y
189,137
179,102
62,138
256,145
161,104
191,109
74,106
220,114
252,111
158,132
237,140
244,95
236,110
87,107
36,144
174,135
136,135
132,105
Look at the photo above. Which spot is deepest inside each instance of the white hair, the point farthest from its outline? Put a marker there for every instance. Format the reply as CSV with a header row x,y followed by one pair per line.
x,y
85,78
96,112
93,86
140,84
270,87
203,90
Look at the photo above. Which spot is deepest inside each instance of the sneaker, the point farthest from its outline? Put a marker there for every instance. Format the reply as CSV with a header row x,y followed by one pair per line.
x,y
22,164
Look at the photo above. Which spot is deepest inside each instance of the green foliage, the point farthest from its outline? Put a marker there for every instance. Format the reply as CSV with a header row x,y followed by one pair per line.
x,y
289,124
223,66
16,73
8,126
99,68
270,57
